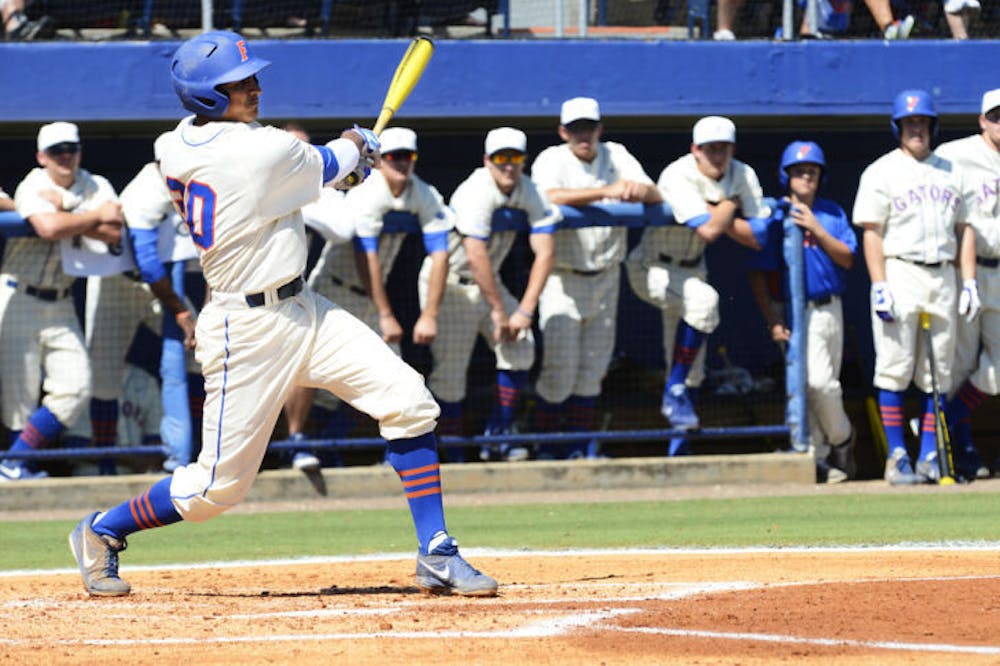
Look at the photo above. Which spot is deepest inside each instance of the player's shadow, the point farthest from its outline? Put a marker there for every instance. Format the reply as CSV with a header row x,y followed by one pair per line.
x,y
332,591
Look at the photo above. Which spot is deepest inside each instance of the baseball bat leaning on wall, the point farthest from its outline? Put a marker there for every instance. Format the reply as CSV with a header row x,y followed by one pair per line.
x,y
941,437
408,72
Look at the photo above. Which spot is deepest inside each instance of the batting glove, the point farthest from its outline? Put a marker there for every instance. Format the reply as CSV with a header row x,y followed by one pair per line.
x,y
372,144
882,301
969,304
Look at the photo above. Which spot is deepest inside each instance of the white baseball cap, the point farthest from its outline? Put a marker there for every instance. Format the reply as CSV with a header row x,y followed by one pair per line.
x,y
711,129
991,100
397,138
506,138
56,133
579,108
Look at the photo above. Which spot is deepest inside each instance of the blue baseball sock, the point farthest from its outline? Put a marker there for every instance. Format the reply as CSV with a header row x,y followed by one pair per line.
x,y
103,422
40,429
510,384
965,401
928,440
415,460
151,509
687,342
890,406
580,418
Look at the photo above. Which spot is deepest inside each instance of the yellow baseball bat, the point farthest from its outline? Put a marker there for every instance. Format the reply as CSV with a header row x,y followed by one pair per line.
x,y
408,72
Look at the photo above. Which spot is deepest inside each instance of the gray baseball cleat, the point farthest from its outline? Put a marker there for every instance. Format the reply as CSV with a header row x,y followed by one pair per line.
x,y
97,556
444,571
899,470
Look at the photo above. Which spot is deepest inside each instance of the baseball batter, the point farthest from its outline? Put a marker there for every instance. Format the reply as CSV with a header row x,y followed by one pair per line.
x,y
41,344
910,204
710,193
476,302
977,350
263,331
828,248
578,307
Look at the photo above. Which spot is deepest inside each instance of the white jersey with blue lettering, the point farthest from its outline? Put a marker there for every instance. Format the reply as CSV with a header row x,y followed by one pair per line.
x,y
915,202
981,165
146,204
243,207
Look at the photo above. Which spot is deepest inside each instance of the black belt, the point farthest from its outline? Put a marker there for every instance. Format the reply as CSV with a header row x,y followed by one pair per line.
x,y
466,281
925,264
683,263
354,289
988,262
586,273
50,295
822,300
286,290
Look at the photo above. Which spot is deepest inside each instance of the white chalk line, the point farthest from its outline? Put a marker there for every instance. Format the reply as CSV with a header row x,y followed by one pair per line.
x,y
801,640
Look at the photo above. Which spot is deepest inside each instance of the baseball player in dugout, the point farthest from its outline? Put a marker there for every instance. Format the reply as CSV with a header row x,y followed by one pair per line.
x,y
911,205
578,307
711,194
263,330
476,302
41,344
977,350
828,248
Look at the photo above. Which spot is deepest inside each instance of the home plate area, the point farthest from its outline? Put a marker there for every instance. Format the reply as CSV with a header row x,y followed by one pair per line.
x,y
868,605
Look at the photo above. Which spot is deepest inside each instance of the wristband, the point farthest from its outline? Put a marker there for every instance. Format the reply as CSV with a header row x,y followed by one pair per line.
x,y
521,311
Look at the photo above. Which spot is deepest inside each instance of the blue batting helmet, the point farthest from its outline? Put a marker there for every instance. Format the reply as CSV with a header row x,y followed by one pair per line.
x,y
204,62
913,103
800,152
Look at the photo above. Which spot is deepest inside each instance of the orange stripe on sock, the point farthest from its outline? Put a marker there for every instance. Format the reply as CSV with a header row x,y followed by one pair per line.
x,y
149,509
419,482
139,520
436,490
419,470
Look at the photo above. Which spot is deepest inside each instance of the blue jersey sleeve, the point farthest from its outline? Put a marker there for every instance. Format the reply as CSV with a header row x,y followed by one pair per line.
x,y
144,247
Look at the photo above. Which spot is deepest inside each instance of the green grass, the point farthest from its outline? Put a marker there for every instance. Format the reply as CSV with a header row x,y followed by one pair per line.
x,y
766,521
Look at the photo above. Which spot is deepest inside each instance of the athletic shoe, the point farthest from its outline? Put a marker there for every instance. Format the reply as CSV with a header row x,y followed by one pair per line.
x,y
968,465
827,474
899,469
723,35
97,557
677,408
304,461
898,29
513,453
444,571
18,471
928,470
841,458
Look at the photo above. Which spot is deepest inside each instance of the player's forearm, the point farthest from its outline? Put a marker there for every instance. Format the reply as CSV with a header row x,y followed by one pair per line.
x,y
835,248
743,234
435,284
762,296
482,272
575,197
375,286
543,245
163,289
59,225
874,254
966,251
720,220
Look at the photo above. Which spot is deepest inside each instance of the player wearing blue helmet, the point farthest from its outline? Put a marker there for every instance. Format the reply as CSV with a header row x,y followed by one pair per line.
x,y
913,208
240,187
828,248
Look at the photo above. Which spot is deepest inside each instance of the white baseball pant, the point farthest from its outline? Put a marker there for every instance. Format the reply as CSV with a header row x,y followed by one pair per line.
x,y
825,351
980,364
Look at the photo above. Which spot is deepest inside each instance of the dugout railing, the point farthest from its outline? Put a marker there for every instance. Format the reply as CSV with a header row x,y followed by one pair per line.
x,y
794,428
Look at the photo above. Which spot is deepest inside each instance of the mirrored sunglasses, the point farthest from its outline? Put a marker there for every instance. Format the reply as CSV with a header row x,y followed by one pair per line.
x,y
501,159
63,149
401,156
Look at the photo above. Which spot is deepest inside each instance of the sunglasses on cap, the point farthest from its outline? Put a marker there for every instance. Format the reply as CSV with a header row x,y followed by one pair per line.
x,y
63,149
401,156
500,159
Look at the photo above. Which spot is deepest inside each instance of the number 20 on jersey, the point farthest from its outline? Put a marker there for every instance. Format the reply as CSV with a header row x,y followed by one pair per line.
x,y
196,204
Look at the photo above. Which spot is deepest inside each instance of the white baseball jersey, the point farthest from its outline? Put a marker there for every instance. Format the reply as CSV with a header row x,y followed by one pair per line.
x,y
588,248
688,192
463,313
916,204
38,262
977,352
370,201
147,204
241,187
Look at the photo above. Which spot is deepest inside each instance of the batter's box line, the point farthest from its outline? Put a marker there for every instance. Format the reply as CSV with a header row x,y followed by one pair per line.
x,y
801,640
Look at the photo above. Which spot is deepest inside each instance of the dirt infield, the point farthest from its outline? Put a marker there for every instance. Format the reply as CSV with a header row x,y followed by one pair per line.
x,y
869,606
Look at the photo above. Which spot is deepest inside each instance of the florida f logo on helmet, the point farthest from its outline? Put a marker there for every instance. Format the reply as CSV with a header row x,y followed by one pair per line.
x,y
242,46
803,152
911,102
206,61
